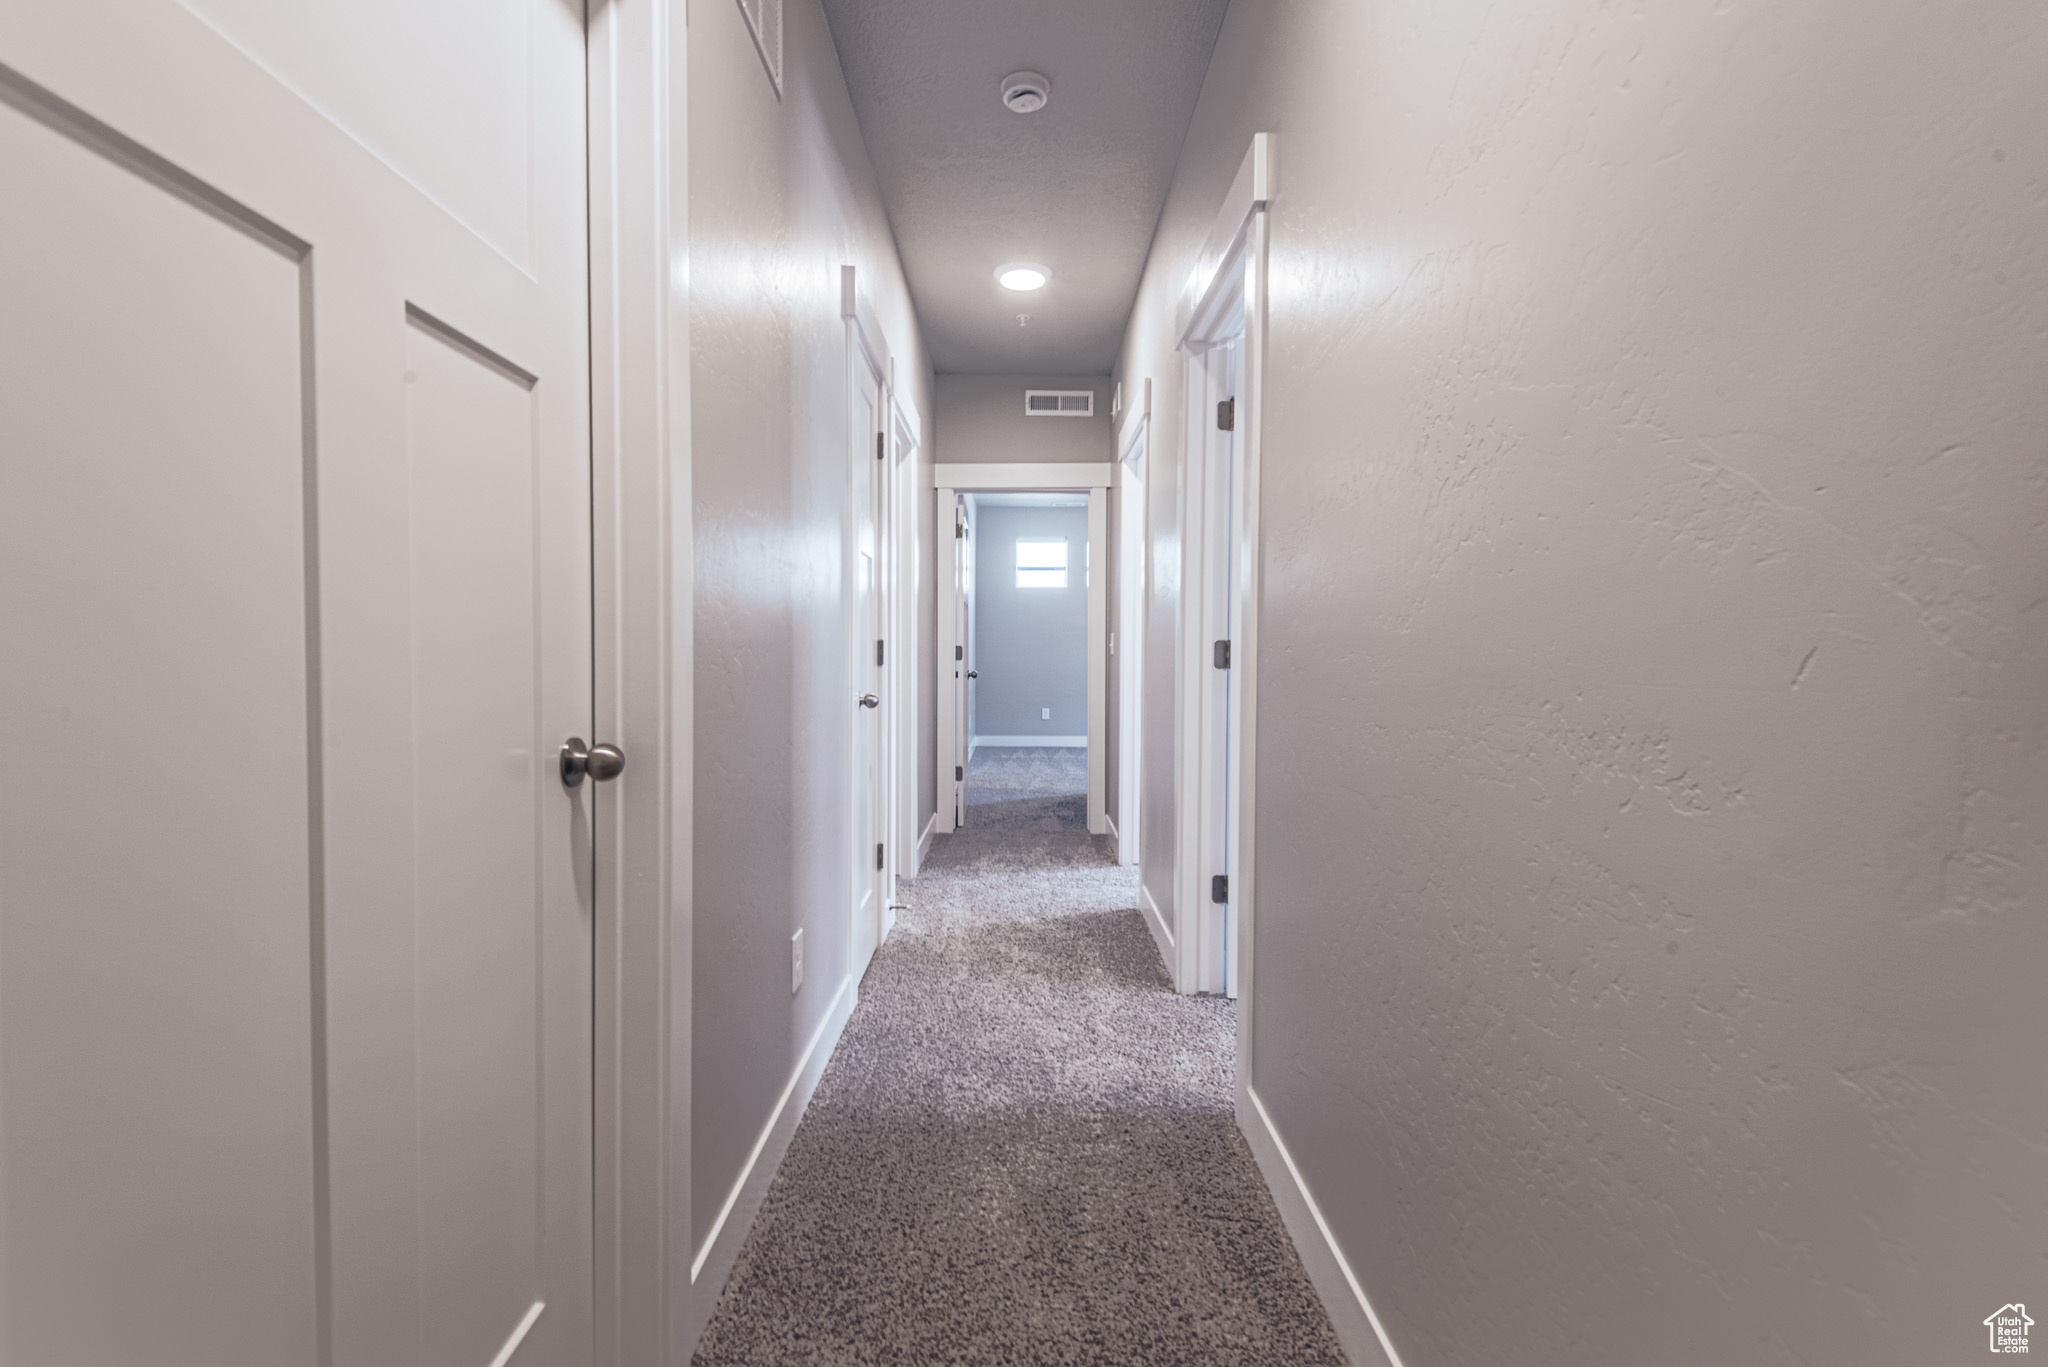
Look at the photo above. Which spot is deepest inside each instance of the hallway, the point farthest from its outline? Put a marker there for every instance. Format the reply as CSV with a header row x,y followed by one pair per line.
x,y
1023,1149
948,681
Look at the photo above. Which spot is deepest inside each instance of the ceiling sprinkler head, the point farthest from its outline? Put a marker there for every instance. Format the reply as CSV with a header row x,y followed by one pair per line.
x,y
1023,320
1025,92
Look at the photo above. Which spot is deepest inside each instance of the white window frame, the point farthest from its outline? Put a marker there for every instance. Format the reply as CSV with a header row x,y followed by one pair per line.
x,y
1041,569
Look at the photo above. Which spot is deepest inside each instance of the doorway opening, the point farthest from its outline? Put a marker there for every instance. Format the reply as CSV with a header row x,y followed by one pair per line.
x,y
1022,656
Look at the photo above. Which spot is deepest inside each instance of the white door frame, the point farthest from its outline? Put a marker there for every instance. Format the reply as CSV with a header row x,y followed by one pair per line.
x,y
946,537
1093,479
637,57
865,348
1226,300
901,705
1134,566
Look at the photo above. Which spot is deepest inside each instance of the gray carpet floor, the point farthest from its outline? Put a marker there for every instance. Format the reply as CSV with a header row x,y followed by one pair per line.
x,y
1023,1149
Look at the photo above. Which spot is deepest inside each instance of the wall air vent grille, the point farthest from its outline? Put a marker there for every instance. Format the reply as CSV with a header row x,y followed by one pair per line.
x,y
764,21
1059,403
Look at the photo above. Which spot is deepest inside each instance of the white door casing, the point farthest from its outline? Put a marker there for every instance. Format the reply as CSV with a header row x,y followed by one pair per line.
x,y
867,425
903,644
295,943
953,483
970,667
1215,585
1224,310
1097,565
1133,594
948,649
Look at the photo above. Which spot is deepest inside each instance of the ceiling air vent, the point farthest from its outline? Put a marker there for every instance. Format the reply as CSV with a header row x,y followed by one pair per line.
x,y
1059,403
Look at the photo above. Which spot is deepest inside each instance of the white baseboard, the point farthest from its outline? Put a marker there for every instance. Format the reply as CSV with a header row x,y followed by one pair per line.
x,y
1358,1329
722,1245
1162,935
1060,742
924,842
1110,822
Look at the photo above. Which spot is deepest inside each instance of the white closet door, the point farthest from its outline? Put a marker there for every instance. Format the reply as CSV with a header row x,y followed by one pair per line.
x,y
867,855
294,590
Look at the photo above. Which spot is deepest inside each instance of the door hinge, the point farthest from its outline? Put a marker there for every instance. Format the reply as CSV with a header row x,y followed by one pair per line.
x,y
959,652
1219,888
878,856
1223,654
880,438
878,654
959,529
1226,415
959,773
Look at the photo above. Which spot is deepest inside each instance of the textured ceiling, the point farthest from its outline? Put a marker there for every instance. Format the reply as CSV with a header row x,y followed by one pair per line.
x,y
1077,186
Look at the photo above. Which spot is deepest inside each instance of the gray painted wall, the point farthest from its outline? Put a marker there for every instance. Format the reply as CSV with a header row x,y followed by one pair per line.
x,y
781,196
1653,772
1030,645
981,420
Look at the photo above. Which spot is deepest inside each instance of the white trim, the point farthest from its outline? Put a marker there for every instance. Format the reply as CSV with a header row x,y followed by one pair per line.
x,y
900,627
1046,742
1359,1330
945,595
865,346
1098,570
519,1333
1094,477
1251,190
1258,289
636,61
1134,553
1064,475
856,308
721,1246
924,842
1109,819
1155,921
1127,435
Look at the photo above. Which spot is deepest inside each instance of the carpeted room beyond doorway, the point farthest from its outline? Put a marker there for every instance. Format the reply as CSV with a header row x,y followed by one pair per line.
x,y
1023,1150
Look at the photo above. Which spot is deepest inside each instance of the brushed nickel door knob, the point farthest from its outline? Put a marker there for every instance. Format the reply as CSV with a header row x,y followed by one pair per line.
x,y
601,762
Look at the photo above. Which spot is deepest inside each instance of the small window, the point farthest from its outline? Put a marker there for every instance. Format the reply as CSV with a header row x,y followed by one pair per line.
x,y
1041,563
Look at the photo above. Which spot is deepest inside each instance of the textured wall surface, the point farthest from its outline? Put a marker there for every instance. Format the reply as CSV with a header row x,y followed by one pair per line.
x,y
1653,772
982,420
781,196
1030,645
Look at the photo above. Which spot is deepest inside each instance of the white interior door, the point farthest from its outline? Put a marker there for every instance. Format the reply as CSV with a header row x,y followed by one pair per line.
x,y
956,612
295,572
969,727
1219,568
868,855
949,658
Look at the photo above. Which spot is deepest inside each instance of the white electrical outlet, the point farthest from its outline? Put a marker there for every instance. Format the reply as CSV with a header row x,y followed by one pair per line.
x,y
796,961
1045,714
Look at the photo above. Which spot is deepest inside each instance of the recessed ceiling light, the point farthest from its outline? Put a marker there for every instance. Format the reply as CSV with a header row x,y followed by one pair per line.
x,y
1025,92
1021,275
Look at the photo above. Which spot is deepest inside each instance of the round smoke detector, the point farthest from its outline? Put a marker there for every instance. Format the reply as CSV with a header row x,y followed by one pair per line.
x,y
1025,92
